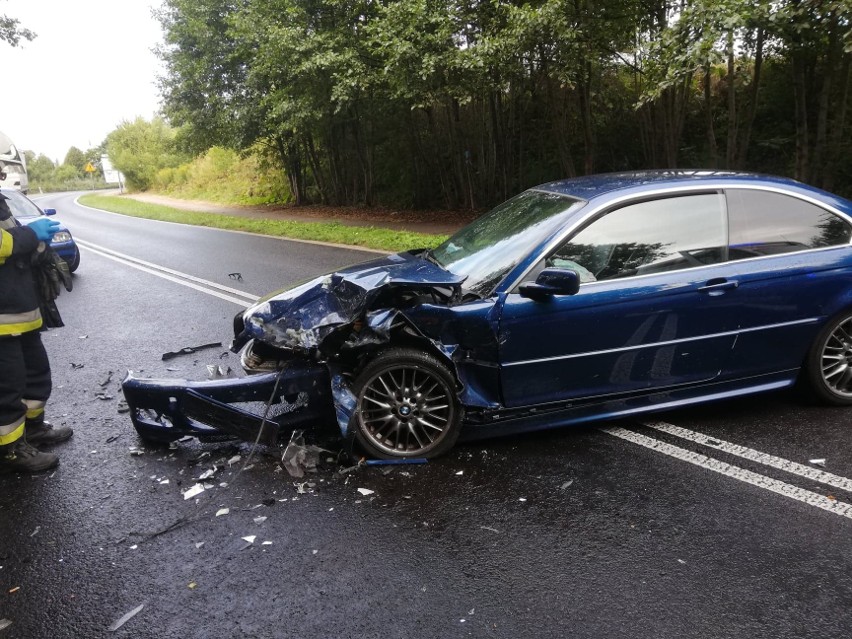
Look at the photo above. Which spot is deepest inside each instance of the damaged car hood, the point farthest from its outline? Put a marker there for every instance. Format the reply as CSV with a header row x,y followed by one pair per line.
x,y
303,318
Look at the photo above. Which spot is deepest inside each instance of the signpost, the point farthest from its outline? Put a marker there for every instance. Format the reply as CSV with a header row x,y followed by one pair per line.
x,y
111,176
91,171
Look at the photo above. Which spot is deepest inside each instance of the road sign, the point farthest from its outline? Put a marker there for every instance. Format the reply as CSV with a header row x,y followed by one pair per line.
x,y
90,168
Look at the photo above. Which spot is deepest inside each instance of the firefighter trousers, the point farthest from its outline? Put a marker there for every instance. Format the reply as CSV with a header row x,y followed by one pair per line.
x,y
25,383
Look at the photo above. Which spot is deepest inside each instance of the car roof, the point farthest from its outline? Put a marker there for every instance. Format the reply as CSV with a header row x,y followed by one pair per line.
x,y
607,185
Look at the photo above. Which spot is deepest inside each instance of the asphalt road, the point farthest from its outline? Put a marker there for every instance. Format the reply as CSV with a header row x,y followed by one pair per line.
x,y
705,523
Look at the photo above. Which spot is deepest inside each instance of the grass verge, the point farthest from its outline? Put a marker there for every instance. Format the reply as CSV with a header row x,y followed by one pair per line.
x,y
332,232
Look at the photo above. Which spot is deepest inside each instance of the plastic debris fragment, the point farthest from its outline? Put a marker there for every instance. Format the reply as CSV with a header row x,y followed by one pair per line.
x,y
233,460
366,491
5,623
190,349
249,538
199,545
259,520
194,491
267,543
299,458
127,617
207,474
222,511
392,462
566,484
817,462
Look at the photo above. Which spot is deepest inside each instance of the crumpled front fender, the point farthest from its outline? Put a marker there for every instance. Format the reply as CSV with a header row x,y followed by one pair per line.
x,y
299,396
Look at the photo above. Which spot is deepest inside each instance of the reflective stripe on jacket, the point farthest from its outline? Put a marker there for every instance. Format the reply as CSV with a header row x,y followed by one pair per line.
x,y
19,304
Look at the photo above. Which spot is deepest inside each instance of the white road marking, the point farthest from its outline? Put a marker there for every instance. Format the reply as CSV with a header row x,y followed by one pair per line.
x,y
829,479
740,474
184,279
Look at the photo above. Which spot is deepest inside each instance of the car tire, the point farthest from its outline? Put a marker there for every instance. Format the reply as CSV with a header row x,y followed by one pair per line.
x,y
75,261
407,406
828,369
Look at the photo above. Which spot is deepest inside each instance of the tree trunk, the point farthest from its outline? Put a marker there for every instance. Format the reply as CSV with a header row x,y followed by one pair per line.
x,y
748,121
731,151
800,97
708,112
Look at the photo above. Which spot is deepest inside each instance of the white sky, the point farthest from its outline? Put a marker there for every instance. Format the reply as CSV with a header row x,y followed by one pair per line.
x,y
90,68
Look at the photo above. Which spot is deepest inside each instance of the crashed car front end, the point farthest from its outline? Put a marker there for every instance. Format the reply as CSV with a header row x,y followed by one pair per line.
x,y
302,348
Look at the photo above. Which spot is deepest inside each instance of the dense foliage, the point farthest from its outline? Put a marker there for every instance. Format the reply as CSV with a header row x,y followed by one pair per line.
x,y
462,103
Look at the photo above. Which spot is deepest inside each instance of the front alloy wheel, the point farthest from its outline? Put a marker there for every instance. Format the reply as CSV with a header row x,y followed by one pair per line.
x,y
407,406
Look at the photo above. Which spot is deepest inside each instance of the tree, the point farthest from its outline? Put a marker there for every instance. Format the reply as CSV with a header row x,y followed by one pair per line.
x,y
140,148
12,32
77,159
41,169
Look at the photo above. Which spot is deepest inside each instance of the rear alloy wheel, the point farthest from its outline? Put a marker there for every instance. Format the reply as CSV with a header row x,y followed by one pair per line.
x,y
407,406
829,365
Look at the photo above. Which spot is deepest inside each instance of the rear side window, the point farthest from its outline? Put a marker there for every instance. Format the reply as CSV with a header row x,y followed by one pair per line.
x,y
667,234
765,223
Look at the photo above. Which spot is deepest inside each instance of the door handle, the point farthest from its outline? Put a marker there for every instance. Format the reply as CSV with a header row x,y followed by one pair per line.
x,y
718,286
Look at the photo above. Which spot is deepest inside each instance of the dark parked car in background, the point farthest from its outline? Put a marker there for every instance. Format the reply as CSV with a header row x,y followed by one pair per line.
x,y
26,211
585,299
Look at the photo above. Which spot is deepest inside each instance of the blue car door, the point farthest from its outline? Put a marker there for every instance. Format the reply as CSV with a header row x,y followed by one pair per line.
x,y
793,265
656,307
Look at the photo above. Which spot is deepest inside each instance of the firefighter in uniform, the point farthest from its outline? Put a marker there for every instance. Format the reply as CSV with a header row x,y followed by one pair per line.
x,y
25,381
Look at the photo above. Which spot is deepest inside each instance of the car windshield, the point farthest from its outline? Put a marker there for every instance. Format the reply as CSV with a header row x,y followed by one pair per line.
x,y
488,248
20,205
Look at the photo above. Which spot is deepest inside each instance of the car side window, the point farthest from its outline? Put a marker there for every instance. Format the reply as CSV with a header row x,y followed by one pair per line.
x,y
766,223
648,237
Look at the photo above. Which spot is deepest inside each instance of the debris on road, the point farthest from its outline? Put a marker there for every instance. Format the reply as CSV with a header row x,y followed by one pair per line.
x,y
299,458
186,350
566,484
236,276
127,617
194,491
5,623
222,511
108,379
817,462
366,491
394,462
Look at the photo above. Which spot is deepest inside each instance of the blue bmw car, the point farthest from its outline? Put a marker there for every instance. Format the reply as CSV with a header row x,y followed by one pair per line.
x,y
585,299
26,211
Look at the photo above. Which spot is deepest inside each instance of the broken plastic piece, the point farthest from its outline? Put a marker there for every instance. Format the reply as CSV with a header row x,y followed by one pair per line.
x,y
366,491
194,491
5,623
259,520
222,511
299,458
186,350
127,617
249,538
817,462
392,462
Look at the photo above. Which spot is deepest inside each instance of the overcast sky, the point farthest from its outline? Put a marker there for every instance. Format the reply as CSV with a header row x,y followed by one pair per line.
x,y
90,67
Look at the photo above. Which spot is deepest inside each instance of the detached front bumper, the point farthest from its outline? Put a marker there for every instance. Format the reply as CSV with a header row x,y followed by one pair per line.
x,y
298,397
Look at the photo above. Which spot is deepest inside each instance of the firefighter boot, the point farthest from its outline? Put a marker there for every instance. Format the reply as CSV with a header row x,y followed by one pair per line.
x,y
42,433
20,457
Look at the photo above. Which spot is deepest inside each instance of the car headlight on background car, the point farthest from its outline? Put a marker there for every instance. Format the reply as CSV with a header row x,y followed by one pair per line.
x,y
62,236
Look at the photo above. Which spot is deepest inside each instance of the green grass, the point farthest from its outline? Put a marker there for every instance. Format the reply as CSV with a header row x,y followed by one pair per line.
x,y
333,232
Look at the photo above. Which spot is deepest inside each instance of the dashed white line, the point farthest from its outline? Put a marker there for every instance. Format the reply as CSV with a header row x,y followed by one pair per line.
x,y
829,479
740,474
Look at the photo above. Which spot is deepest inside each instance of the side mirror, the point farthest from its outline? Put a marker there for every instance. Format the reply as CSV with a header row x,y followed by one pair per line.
x,y
49,211
552,281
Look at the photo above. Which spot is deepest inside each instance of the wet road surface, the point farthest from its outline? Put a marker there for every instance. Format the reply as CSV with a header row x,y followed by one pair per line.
x,y
647,531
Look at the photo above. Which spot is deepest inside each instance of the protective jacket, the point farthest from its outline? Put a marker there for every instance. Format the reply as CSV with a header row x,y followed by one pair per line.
x,y
19,302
